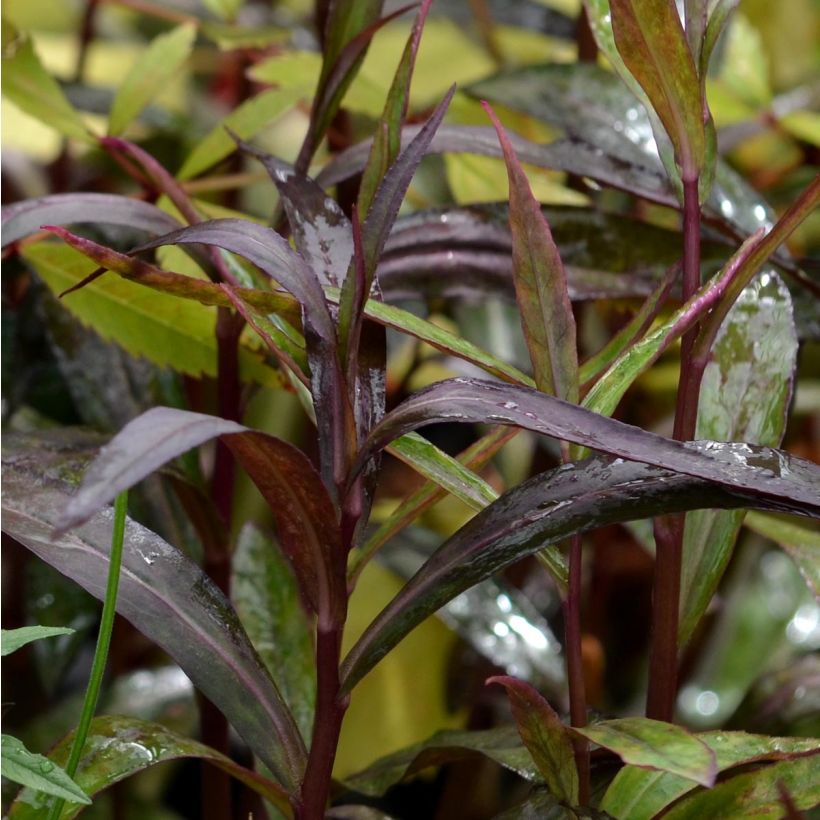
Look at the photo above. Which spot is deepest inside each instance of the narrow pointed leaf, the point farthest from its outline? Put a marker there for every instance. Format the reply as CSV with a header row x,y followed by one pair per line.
x,y
25,218
13,639
267,600
640,793
167,331
387,141
745,395
652,44
546,738
656,745
38,773
165,595
757,794
696,17
283,474
119,747
719,15
540,285
546,510
150,74
33,90
476,401
503,745
321,231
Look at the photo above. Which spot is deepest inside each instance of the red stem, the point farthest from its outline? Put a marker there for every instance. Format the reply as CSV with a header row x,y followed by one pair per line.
x,y
575,667
663,652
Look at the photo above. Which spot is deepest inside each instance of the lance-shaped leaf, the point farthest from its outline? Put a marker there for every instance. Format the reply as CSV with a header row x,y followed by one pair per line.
x,y
758,793
546,738
38,773
283,474
476,401
382,216
540,285
13,639
320,229
119,747
33,90
640,793
745,394
266,596
387,140
503,745
719,13
546,510
656,745
25,218
149,75
652,44
270,252
166,596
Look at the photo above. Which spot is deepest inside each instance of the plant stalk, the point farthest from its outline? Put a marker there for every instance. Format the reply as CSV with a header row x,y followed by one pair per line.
x,y
663,652
92,692
575,667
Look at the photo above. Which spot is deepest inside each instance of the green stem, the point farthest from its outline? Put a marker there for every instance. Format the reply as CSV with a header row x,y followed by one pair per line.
x,y
92,693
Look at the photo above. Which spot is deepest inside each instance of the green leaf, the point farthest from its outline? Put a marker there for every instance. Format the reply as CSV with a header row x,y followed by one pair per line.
x,y
246,121
540,285
13,639
118,747
17,763
168,331
149,76
545,737
800,540
757,794
266,597
652,44
503,745
33,90
745,394
653,744
640,794
226,9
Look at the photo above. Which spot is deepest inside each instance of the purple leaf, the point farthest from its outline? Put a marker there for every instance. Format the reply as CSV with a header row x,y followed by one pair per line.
x,y
475,401
547,509
540,285
165,595
25,218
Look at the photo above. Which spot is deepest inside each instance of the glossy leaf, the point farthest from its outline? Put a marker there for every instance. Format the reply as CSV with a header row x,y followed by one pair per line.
x,y
266,597
640,794
540,285
542,511
33,90
149,75
801,542
25,218
246,120
652,44
656,745
164,595
476,401
503,745
757,794
167,331
745,394
321,231
387,140
13,639
20,765
119,747
283,474
546,738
